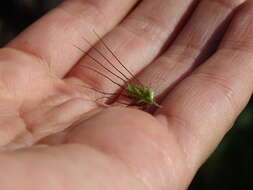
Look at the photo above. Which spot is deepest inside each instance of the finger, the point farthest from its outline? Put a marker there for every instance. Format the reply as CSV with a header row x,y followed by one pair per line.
x,y
136,41
204,106
202,29
52,37
194,44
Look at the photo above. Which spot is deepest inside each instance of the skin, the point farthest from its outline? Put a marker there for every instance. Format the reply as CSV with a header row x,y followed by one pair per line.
x,y
53,135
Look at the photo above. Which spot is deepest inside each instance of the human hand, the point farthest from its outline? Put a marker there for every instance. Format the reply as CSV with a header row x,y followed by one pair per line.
x,y
119,148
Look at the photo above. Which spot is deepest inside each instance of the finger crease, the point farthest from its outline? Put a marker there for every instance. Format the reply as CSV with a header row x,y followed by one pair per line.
x,y
230,4
221,84
40,60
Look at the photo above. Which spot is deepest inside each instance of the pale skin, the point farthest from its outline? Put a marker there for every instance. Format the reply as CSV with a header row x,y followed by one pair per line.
x,y
122,148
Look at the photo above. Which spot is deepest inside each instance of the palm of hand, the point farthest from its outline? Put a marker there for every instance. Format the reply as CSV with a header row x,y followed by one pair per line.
x,y
41,97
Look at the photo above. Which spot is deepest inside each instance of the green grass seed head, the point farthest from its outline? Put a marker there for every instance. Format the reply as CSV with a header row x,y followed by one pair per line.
x,y
142,94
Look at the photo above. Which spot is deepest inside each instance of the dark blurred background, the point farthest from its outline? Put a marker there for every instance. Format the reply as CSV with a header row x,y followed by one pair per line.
x,y
228,168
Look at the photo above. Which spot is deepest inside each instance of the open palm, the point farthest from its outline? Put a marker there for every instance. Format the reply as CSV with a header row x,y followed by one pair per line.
x,y
44,99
